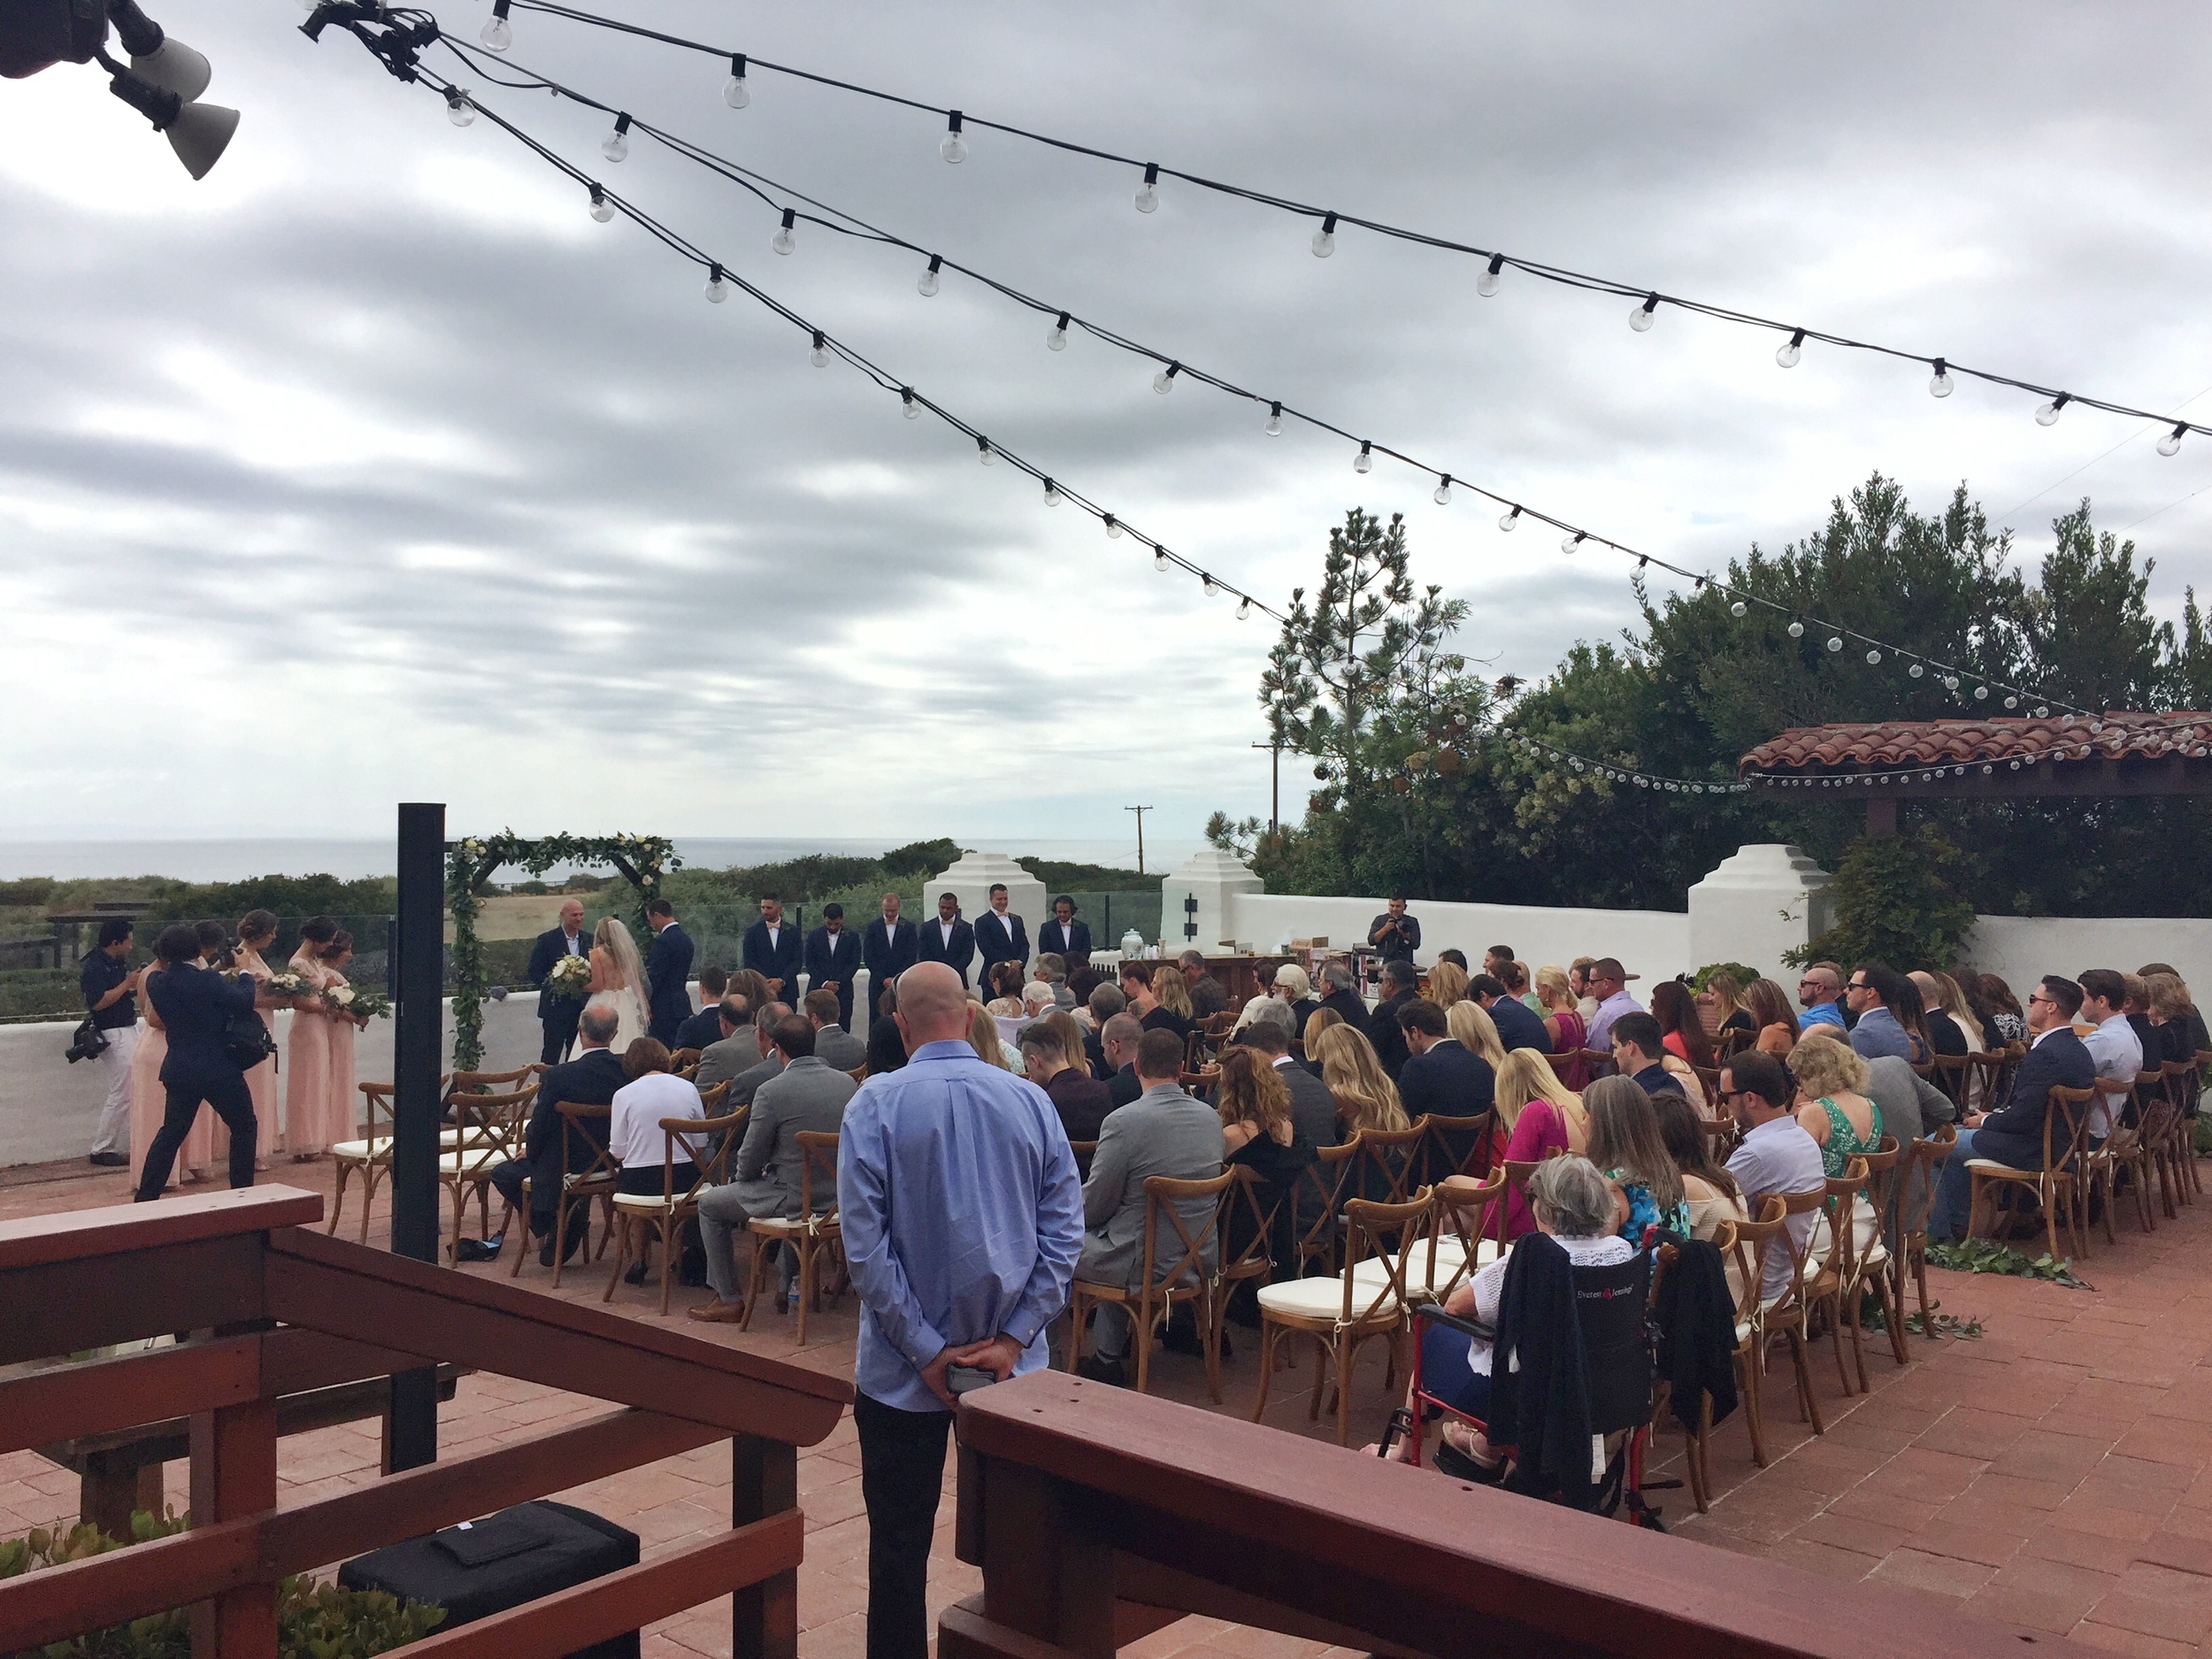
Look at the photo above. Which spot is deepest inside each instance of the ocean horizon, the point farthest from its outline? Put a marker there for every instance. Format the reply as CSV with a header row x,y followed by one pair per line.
x,y
238,859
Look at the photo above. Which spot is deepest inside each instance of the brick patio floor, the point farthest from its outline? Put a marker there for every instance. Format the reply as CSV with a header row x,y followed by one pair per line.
x,y
2051,1476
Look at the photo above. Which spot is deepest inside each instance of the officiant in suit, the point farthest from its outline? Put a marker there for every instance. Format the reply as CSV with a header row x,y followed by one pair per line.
x,y
774,950
949,939
832,958
888,946
1065,937
668,971
999,935
557,1014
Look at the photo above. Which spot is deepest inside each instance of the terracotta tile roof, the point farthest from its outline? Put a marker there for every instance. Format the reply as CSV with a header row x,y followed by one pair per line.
x,y
1831,749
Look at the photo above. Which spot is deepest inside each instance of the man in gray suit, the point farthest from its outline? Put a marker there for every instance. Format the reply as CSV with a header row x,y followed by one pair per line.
x,y
1162,1131
807,1092
834,1045
746,1060
1312,1107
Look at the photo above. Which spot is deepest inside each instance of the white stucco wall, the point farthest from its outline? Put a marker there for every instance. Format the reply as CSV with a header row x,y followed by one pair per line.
x,y
2020,950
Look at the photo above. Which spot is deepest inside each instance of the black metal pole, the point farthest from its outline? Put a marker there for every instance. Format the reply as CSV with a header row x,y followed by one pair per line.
x,y
418,977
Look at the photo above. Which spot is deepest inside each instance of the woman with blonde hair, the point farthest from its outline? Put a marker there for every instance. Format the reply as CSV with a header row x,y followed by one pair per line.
x,y
1832,1106
1448,984
1320,1020
617,981
1473,1030
1724,997
1169,986
1540,1116
983,1037
1951,997
1563,1020
1365,1096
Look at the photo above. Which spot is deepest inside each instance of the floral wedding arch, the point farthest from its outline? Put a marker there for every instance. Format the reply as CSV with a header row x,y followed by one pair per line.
x,y
641,860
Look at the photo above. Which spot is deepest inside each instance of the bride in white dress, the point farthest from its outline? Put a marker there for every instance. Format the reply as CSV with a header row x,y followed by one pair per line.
x,y
617,981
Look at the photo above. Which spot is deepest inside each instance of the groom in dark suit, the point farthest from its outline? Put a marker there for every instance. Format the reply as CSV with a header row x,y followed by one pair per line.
x,y
557,1014
949,939
1065,937
999,936
774,950
833,957
668,969
888,946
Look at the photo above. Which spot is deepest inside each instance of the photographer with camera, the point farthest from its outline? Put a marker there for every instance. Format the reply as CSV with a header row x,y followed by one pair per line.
x,y
110,995
198,1007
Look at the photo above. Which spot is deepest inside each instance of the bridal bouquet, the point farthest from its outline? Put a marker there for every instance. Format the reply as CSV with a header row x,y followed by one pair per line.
x,y
568,976
352,1002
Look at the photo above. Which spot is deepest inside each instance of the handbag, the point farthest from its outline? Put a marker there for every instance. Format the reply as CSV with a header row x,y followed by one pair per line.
x,y
245,1040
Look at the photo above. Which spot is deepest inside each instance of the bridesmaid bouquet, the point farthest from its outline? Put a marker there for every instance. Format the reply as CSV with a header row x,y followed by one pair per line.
x,y
285,984
353,1002
568,976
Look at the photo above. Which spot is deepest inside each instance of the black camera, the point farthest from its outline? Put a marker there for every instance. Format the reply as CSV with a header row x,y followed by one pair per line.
x,y
89,1043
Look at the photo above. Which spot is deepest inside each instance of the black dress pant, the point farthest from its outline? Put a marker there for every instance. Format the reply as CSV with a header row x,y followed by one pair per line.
x,y
232,1103
901,1472
560,1032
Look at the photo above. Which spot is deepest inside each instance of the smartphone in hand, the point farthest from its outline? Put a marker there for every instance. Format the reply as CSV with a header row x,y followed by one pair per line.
x,y
960,1380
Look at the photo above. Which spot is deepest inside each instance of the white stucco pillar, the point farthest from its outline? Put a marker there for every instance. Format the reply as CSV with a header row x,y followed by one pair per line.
x,y
970,879
1214,879
1761,901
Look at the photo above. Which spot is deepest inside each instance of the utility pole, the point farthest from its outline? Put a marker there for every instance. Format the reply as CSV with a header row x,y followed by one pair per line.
x,y
1140,811
1274,786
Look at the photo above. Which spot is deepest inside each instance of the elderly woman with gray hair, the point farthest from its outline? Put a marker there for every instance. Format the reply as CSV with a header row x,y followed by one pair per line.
x,y
1572,1202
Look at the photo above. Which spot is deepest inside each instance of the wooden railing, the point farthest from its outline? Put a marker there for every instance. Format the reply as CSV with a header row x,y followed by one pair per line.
x,y
1099,1516
275,1309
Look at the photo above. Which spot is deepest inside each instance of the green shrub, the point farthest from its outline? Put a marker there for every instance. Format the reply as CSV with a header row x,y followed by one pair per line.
x,y
1736,971
314,1621
1895,902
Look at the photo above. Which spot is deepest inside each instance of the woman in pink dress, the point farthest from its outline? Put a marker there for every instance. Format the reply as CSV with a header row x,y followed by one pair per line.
x,y
307,1114
256,932
343,1100
1565,1024
149,1101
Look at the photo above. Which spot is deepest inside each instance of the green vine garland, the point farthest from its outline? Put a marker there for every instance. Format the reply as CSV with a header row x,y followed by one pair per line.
x,y
641,860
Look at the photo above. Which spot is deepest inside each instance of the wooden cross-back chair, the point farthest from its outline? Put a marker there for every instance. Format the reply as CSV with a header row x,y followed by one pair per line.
x,y
1455,1239
370,1158
488,1131
1452,1147
589,1171
1865,1217
1247,1231
708,1144
1179,1274
2057,1186
1751,1245
1317,1201
813,1235
1918,1171
1389,1163
1813,1285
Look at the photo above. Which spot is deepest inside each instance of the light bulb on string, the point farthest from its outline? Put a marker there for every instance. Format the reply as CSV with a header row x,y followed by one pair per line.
x,y
1244,608
2042,712
783,242
1486,284
1872,658
1148,192
1443,496
911,409
1057,340
716,290
1211,586
602,208
1164,382
927,285
616,145
1507,522
1113,527
498,34
1274,420
459,108
1950,683
1835,642
1159,558
1939,383
1915,671
2048,416
1574,541
1981,693
1739,609
1365,461
1797,629
1642,317
1052,494
819,356
954,145
1786,357
1324,239
736,93
2170,445
2012,703
983,451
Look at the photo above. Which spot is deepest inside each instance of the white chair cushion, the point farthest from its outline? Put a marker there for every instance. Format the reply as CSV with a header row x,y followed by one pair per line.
x,y
361,1151
643,1201
1993,1165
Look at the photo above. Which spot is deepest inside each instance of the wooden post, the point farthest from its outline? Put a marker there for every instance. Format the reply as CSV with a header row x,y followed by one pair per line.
x,y
1043,1575
763,1481
234,1476
417,976
1881,815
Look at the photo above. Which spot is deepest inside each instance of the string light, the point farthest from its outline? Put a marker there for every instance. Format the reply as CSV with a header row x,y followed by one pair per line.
x,y
1365,461
1738,609
1486,284
602,208
783,242
1509,520
983,450
736,93
2048,416
1495,260
498,34
1274,420
1164,382
716,290
1939,383
1244,608
1208,583
913,411
616,145
819,356
928,284
1159,559
1052,494
1573,542
459,109
1057,340
1787,355
1148,192
1797,629
2170,445
1443,496
954,145
1113,527
1642,318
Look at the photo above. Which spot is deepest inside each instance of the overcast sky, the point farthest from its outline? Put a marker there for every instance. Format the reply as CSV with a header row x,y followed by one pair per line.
x,y
370,468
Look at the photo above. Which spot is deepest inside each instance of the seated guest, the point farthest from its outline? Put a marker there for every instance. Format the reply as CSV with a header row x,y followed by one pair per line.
x,y
2168,1003
1724,998
1002,989
1081,1100
1052,969
1541,1116
1144,1002
2137,1011
1455,956
1118,1043
1399,982
2112,1044
1997,1008
887,1048
1775,1155
1520,985
1945,1036
1292,988
1912,1015
1208,995
1162,1131
2198,1034
1320,1020
1313,1109
1173,997
1768,1006
1912,1107
765,1179
1832,1105
590,1079
1519,1026
1564,1028
1472,1029
705,1027
1257,1131
1574,1206
834,1045
1820,992
634,1137
1362,1093
1681,1029
1709,1191
1496,961
1877,1029
1340,998
1102,1004
983,1038
1082,981
1448,984
1443,1074
746,1060
1639,1054
1609,983
1625,1144
2015,1135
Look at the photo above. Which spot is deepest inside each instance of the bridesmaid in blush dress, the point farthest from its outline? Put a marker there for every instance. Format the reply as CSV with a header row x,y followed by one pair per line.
x,y
256,932
307,1051
343,1101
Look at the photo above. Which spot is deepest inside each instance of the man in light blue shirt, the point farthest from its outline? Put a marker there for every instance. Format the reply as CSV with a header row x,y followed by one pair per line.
x,y
2112,1043
1816,992
1609,983
962,1218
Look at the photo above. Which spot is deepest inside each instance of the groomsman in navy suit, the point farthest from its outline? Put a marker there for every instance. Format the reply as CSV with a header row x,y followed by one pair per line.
x,y
999,935
668,969
833,957
949,939
1065,937
773,950
889,947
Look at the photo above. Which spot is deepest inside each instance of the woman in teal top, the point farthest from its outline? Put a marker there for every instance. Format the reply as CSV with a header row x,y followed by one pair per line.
x,y
1832,1106
1626,1144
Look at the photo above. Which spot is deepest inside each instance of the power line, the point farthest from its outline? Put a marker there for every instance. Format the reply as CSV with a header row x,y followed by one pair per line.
x,y
1649,299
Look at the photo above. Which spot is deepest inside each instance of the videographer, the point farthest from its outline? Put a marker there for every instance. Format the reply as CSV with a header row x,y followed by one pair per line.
x,y
196,1006
1394,935
110,997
